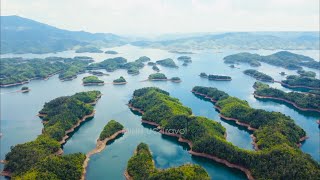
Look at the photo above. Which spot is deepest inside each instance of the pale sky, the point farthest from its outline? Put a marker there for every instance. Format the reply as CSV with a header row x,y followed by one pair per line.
x,y
169,16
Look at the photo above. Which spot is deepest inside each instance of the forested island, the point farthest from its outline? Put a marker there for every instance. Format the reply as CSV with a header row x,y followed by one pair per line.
x,y
141,166
186,59
155,68
283,59
89,49
116,63
17,71
302,101
41,158
111,52
215,77
120,80
180,52
152,63
98,73
157,76
92,80
294,81
258,75
304,73
167,63
276,134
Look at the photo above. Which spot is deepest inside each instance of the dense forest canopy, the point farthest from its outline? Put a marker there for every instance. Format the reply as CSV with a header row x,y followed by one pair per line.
x,y
303,100
258,75
307,82
167,63
157,76
109,129
88,49
277,138
284,59
141,166
111,52
120,80
37,159
92,79
17,70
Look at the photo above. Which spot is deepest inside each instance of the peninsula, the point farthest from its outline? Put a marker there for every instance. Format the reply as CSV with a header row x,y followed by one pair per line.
x,y
258,75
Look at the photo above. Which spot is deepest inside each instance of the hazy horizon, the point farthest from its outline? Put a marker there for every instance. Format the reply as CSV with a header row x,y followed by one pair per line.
x,y
159,17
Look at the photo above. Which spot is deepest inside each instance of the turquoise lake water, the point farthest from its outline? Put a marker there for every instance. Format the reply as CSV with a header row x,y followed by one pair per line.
x,y
20,124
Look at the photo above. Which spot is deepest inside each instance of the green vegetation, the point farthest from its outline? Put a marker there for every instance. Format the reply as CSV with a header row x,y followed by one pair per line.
x,y
276,137
113,64
151,63
258,75
143,59
283,74
317,92
249,58
204,75
186,59
24,88
120,80
306,73
167,63
141,166
37,159
88,49
175,79
156,76
110,64
97,73
111,128
18,70
307,82
155,68
92,80
219,77
284,59
300,99
111,52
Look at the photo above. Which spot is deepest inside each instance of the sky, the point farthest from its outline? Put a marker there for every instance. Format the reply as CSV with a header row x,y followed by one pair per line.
x,y
169,16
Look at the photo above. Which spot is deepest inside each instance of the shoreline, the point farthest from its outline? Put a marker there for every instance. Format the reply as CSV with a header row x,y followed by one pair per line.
x,y
84,118
101,145
287,101
93,84
298,86
219,160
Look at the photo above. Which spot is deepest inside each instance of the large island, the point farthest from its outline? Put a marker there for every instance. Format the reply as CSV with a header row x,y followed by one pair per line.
x,y
92,81
276,135
41,158
283,59
258,75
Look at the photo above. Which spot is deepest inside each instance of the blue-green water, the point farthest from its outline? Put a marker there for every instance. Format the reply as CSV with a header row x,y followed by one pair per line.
x,y
19,122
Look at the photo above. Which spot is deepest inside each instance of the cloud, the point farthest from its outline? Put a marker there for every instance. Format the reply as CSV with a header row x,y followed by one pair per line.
x,y
167,16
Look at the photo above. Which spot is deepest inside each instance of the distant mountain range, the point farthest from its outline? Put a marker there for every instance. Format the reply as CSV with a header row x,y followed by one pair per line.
x,y
240,40
22,35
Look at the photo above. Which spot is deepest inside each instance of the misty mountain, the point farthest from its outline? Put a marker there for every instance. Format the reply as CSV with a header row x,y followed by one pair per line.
x,y
22,35
240,40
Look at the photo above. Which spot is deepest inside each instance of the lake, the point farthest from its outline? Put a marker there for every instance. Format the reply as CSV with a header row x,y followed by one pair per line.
x,y
20,124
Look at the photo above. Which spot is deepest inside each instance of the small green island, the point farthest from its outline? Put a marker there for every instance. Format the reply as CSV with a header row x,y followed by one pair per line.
x,y
185,59
92,81
41,158
180,52
301,101
258,75
98,73
120,80
283,59
282,73
152,63
88,49
175,79
143,59
167,63
25,89
275,135
111,52
212,77
293,81
157,76
141,166
109,129
155,68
